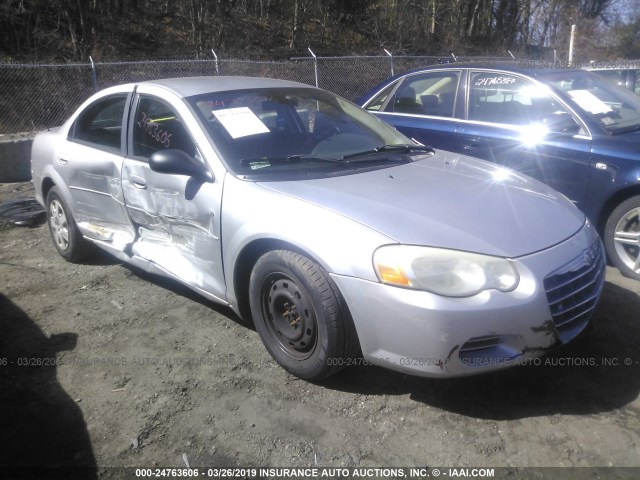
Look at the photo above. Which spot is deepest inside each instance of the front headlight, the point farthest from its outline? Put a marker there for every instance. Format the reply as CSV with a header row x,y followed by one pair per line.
x,y
451,273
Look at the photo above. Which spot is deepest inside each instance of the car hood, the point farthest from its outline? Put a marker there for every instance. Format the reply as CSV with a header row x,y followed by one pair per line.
x,y
450,201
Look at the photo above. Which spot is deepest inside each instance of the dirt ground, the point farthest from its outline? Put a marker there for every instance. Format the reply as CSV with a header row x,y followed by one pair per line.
x,y
105,366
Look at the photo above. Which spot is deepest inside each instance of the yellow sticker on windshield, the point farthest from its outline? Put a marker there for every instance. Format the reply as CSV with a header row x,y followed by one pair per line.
x,y
257,165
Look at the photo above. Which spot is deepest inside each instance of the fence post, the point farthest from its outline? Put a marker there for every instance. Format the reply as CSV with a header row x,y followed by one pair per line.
x,y
315,64
216,61
93,74
390,60
571,39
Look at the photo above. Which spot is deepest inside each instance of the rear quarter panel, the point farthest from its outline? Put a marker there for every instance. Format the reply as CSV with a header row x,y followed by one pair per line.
x,y
43,157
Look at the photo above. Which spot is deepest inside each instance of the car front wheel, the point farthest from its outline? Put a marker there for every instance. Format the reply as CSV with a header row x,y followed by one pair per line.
x,y
300,315
622,237
67,239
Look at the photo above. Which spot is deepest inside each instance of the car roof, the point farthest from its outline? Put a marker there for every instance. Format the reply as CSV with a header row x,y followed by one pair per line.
x,y
188,86
508,66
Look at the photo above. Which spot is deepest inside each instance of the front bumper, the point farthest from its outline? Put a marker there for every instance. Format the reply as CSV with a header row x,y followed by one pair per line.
x,y
429,335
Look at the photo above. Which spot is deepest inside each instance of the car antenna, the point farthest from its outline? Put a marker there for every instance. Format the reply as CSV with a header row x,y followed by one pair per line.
x,y
512,55
454,57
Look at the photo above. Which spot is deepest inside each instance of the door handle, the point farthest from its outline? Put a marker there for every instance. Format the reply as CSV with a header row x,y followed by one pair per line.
x,y
138,182
62,161
472,143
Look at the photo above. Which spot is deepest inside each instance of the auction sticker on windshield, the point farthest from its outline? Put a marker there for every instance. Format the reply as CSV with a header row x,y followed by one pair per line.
x,y
240,122
589,101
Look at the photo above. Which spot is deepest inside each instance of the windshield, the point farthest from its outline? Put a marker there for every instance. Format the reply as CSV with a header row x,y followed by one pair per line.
x,y
296,130
614,108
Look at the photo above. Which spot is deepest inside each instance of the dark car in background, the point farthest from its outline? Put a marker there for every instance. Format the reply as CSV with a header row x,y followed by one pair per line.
x,y
569,128
623,76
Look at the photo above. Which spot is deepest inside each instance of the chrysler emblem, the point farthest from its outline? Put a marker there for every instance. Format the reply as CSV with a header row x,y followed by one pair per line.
x,y
589,256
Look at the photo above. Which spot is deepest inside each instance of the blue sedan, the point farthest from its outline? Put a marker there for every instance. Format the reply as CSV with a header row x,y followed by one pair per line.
x,y
570,129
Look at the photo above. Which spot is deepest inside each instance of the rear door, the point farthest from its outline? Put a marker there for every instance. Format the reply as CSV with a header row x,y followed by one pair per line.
x,y
513,121
90,163
177,217
422,107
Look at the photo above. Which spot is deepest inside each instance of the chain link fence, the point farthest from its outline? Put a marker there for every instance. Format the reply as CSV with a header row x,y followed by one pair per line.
x,y
34,97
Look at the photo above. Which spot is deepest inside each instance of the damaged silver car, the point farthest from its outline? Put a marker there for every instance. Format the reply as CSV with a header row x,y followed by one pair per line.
x,y
338,236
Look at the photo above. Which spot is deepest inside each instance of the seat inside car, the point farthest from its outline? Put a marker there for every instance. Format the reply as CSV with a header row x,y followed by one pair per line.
x,y
406,102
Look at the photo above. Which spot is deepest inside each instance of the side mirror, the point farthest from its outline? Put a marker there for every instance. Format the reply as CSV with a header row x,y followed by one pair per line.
x,y
178,162
561,122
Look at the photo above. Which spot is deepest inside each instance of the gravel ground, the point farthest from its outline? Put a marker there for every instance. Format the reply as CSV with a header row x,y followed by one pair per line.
x,y
127,369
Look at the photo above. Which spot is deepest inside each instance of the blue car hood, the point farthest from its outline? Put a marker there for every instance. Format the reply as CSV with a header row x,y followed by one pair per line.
x,y
450,201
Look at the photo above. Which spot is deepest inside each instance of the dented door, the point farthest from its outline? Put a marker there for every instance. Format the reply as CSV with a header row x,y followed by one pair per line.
x,y
176,217
90,162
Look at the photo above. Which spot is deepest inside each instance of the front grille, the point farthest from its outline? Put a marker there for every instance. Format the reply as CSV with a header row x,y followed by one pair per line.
x,y
573,291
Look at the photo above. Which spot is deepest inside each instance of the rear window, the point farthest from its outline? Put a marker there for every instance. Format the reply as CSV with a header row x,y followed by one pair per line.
x,y
100,124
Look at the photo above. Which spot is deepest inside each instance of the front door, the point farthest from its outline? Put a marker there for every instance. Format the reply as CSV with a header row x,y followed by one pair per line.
x,y
507,120
177,217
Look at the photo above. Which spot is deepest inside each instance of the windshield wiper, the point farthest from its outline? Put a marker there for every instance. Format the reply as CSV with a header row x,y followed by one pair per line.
x,y
261,162
623,129
390,149
312,157
298,157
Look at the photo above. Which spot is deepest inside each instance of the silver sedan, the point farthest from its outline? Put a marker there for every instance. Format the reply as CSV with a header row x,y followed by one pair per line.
x,y
341,239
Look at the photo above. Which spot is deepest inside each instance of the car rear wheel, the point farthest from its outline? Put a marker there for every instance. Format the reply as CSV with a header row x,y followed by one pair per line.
x,y
300,315
67,239
622,237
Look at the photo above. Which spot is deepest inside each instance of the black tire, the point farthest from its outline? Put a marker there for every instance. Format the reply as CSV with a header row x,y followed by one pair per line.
x,y
622,237
300,315
66,237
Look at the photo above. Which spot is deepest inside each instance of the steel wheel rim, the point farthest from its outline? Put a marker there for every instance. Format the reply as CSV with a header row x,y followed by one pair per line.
x,y
627,239
289,316
59,225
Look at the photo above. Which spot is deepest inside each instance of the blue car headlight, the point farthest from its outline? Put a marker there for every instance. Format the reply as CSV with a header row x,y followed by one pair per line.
x,y
450,273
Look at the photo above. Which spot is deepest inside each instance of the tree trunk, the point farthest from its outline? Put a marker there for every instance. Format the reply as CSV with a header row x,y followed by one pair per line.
x,y
472,22
294,27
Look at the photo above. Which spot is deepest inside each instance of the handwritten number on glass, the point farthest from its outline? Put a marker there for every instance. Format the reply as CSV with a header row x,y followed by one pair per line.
x,y
488,81
153,129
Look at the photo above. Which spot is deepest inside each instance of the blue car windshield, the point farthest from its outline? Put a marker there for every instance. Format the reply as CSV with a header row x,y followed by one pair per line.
x,y
285,130
613,107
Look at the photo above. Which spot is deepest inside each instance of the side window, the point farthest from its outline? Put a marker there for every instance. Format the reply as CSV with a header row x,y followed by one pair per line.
x,y
613,76
504,98
376,104
431,93
158,127
100,124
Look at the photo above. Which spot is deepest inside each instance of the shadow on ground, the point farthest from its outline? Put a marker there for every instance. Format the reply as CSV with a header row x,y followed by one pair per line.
x,y
184,291
587,376
42,430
